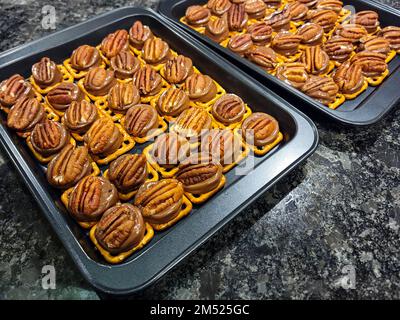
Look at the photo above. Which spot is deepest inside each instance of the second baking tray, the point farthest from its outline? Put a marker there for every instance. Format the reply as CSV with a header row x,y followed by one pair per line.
x,y
366,109
167,248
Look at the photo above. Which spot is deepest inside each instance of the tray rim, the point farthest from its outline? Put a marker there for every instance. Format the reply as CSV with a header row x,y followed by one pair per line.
x,y
37,189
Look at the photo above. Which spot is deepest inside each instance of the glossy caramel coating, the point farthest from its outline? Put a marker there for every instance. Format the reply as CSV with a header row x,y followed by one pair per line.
x,y
229,109
334,5
172,102
372,64
237,17
25,114
218,29
140,120
123,96
200,87
219,7
293,73
99,81
124,64
169,149
156,51
177,69
312,34
349,77
46,73
61,97
85,57
392,34
264,57
286,43
353,32
14,88
375,44
273,3
197,16
192,122
325,18
309,3
322,89
240,44
114,43
80,116
138,34
148,81
298,11
279,20
260,128
255,9
368,19
315,60
49,137
338,48
260,33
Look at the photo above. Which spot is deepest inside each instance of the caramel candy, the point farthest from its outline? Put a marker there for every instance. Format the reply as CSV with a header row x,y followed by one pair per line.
x,y
99,81
25,114
128,172
279,20
353,32
138,34
293,73
264,57
315,59
49,137
309,3
325,18
375,44
80,116
286,44
160,201
68,167
170,149
172,102
219,7
372,64
312,34
298,11
322,89
199,174
392,34
273,3
229,109
156,51
261,33
192,122
46,73
339,48
197,16
238,1
335,5
177,69
240,44
13,89
260,129
114,43
148,81
349,77
91,197
61,97
140,120
124,64
368,19
200,87
255,9
123,96
103,137
237,17
217,29
120,229
85,57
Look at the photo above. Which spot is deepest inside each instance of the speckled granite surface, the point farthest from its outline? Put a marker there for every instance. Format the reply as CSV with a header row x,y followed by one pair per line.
x,y
339,210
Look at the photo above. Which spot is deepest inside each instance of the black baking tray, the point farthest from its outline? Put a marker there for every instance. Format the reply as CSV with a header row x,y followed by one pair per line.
x,y
167,248
368,108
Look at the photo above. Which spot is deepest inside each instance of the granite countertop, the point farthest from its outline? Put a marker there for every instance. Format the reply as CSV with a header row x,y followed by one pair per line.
x,y
336,216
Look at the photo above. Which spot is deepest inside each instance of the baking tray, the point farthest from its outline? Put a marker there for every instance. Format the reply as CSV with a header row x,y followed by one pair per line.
x,y
368,108
167,248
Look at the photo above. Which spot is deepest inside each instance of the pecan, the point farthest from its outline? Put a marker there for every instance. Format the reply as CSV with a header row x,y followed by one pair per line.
x,y
311,33
99,81
279,20
392,34
148,81
46,73
315,59
335,5
353,32
124,65
160,201
172,102
120,229
103,137
375,44
192,122
177,69
264,57
339,48
322,89
199,174
286,43
138,34
170,149
123,96
309,3
237,17
140,120
325,18
260,129
114,43
372,64
85,57
349,77
197,16
80,116
49,137
91,197
240,43
255,9
13,89
273,3
68,167
261,33
217,29
368,19
200,87
156,51
293,73
61,97
128,172
25,114
298,11
229,109
219,7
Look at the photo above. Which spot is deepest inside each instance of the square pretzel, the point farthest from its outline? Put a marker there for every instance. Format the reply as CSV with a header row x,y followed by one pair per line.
x,y
200,198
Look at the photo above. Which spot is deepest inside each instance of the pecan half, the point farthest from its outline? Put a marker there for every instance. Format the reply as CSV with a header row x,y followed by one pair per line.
x,y
197,16
99,81
124,64
156,51
85,57
200,87
260,129
229,109
177,69
120,229
219,7
315,59
264,57
123,96
309,3
217,29
261,33
68,167
392,34
325,18
255,9
322,89
240,44
46,73
353,32
237,17
114,43
172,102
49,137
170,149
298,11
339,48
349,77
80,116
91,197
138,34
148,81
293,73
103,137
61,97
192,122
160,201
375,44
140,120
372,64
279,20
368,19
311,33
128,172
14,88
25,114
335,5
286,44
